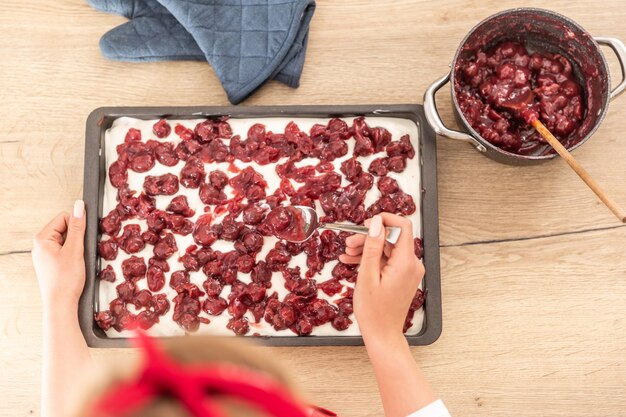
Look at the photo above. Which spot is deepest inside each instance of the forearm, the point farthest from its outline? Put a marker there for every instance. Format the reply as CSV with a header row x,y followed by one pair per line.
x,y
403,387
66,358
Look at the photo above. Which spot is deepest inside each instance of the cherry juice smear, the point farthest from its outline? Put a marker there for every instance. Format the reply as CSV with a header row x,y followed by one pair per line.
x,y
488,78
247,218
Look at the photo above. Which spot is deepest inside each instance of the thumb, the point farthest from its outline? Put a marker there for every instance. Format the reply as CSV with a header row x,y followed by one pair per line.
x,y
74,242
373,250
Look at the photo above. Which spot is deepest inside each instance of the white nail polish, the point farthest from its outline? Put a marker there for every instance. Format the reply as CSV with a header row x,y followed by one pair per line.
x,y
79,209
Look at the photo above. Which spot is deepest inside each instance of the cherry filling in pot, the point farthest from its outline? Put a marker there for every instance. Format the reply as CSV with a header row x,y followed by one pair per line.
x,y
489,81
287,223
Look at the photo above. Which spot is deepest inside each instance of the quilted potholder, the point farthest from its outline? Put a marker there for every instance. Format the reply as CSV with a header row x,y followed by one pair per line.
x,y
246,42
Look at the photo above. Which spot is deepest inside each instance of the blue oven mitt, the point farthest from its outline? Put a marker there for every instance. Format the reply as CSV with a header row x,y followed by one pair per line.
x,y
247,42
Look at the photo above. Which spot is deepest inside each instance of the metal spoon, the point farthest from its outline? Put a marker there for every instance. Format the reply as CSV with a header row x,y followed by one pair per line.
x,y
312,223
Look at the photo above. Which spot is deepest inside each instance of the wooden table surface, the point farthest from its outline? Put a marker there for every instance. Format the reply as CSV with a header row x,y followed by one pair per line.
x,y
533,266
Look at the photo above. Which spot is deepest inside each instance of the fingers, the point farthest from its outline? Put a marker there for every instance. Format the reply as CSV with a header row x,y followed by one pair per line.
x,y
358,250
355,241
404,247
347,259
54,231
369,271
74,242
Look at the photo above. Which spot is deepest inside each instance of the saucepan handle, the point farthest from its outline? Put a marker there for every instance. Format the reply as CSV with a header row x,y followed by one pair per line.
x,y
434,119
620,51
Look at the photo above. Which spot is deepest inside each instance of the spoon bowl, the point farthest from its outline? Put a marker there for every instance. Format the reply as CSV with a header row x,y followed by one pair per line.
x,y
312,223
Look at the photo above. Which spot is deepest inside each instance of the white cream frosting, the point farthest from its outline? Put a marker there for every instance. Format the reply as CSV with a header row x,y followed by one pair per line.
x,y
409,182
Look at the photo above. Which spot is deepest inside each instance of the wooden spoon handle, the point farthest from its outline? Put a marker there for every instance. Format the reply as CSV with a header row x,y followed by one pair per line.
x,y
582,173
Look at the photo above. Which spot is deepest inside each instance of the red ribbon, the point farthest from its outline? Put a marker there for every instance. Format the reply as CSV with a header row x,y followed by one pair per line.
x,y
198,388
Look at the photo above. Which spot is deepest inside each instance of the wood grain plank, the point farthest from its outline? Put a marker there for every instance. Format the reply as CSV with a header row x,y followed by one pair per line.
x,y
531,327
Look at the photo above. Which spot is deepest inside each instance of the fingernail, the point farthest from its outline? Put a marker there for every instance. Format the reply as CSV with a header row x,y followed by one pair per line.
x,y
376,225
79,208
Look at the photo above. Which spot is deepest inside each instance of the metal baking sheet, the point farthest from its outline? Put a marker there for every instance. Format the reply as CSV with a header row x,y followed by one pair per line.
x,y
95,170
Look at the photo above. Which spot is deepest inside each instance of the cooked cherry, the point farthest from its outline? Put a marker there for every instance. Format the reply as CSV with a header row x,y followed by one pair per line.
x,y
254,213
419,247
341,322
192,174
203,234
239,326
231,229
319,311
402,147
379,166
142,298
178,278
146,319
107,249
183,132
213,287
416,303
179,205
330,287
165,247
261,274
142,162
166,154
159,263
107,274
104,319
187,148
396,163
249,183
161,304
126,290
179,224
250,242
111,224
118,174
161,129
345,306
387,185
218,179
190,262
134,268
214,306
351,168
344,271
287,223
133,135
155,278
166,184
303,326
130,240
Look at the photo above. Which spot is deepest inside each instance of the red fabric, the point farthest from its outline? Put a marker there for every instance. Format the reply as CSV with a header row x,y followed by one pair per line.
x,y
195,388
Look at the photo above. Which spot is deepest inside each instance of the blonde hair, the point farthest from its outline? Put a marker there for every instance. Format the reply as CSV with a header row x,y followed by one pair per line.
x,y
194,350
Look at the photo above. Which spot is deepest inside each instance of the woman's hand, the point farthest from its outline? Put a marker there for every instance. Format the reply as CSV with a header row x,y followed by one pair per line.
x,y
58,258
388,279
387,282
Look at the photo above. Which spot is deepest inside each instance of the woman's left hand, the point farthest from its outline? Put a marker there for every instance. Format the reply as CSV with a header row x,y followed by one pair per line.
x,y
58,258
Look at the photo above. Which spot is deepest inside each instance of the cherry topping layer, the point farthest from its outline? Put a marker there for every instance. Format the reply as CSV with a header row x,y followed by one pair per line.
x,y
145,230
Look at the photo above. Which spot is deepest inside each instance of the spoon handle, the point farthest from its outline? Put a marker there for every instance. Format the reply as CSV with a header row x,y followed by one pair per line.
x,y
393,233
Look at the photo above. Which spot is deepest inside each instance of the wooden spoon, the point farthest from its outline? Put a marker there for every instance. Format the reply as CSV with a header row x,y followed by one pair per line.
x,y
521,105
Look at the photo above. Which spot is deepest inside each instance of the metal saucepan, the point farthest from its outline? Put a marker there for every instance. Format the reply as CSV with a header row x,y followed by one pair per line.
x,y
541,30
